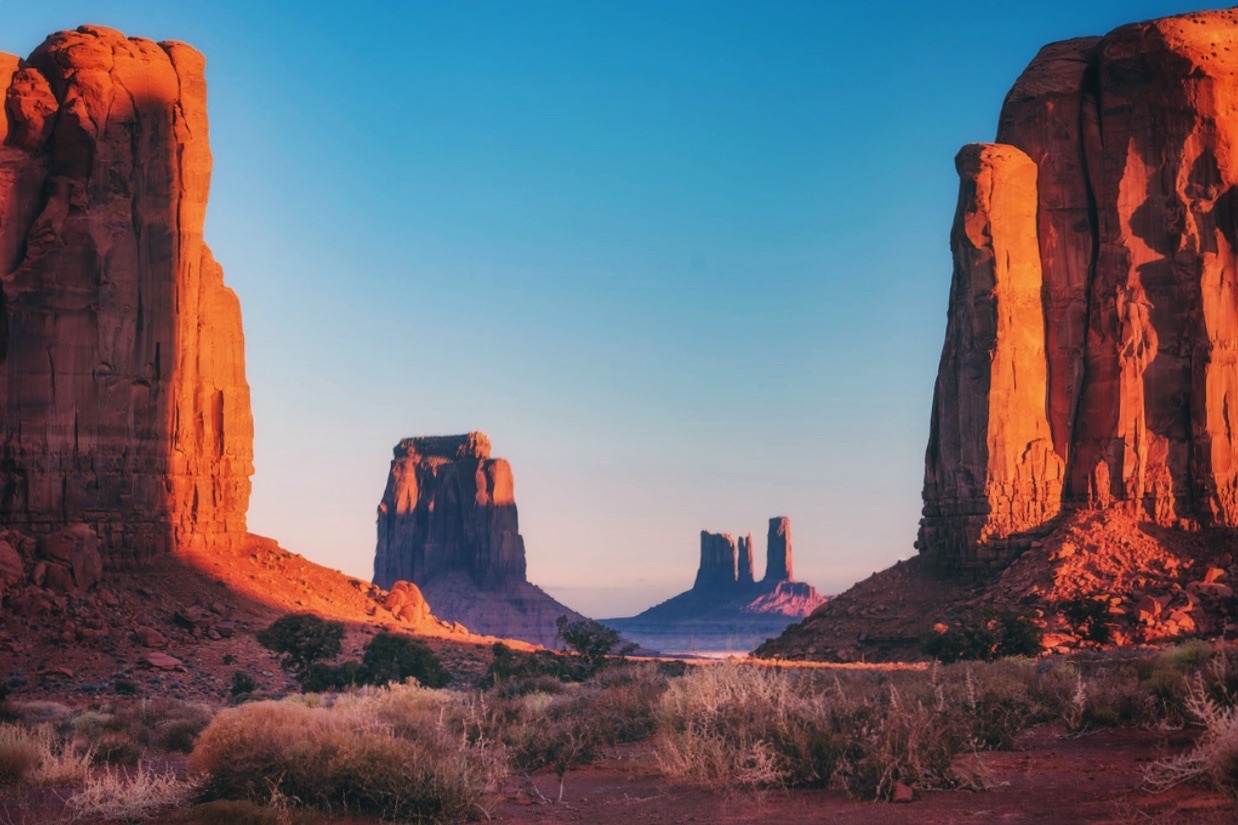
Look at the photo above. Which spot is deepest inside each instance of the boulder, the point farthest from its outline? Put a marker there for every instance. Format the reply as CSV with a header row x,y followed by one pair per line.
x,y
77,548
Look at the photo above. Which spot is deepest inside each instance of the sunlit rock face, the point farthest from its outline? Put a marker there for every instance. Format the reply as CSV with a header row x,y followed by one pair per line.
x,y
1125,229
448,523
123,399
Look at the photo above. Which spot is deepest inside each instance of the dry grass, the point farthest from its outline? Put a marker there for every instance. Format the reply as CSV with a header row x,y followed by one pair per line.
x,y
130,796
39,756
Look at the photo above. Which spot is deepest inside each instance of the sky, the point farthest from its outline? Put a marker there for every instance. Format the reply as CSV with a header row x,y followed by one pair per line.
x,y
686,263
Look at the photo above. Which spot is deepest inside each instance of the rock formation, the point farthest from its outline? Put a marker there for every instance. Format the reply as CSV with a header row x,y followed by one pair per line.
x,y
1091,353
1082,448
123,400
727,608
779,561
719,565
743,564
447,523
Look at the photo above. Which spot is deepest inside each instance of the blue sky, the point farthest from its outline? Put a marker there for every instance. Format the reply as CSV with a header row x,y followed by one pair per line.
x,y
685,262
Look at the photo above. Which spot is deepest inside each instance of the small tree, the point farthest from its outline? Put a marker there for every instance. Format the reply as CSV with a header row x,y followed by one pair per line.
x,y
303,639
592,642
984,635
392,658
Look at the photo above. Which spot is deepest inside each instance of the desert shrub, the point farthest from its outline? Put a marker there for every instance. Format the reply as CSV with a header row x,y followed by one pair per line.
x,y
985,635
302,639
243,683
509,665
392,658
621,703
321,677
19,754
338,760
1214,758
733,725
523,686
131,796
898,740
559,744
1089,617
1110,697
125,687
39,756
992,702
1188,656
736,725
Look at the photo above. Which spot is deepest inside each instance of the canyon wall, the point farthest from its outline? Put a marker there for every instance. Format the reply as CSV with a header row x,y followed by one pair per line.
x,y
123,399
1091,354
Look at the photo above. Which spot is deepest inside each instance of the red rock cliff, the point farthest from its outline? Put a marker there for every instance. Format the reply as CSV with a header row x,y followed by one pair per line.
x,y
123,400
1110,197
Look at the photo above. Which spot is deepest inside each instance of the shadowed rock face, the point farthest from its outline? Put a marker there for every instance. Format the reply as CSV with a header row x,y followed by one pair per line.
x,y
449,506
447,522
1119,257
123,400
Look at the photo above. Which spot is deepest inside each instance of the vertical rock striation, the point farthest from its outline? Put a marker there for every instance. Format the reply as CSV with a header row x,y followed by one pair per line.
x,y
991,470
718,562
1127,235
123,399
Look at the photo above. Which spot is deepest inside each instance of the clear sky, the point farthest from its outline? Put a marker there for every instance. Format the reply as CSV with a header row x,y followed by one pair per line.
x,y
686,263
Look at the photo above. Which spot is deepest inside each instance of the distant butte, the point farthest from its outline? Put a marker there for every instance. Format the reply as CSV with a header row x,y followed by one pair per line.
x,y
727,608
447,522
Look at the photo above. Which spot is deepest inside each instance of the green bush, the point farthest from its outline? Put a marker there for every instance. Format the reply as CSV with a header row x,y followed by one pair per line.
x,y
392,658
1089,617
984,635
303,639
243,683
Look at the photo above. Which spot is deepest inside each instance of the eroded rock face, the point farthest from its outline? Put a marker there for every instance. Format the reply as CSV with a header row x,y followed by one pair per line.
x,y
991,470
1132,226
123,400
779,557
718,562
447,523
448,506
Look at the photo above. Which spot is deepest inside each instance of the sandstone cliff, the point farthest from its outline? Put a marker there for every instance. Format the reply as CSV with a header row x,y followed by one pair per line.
x,y
1082,446
123,400
447,522
1091,353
